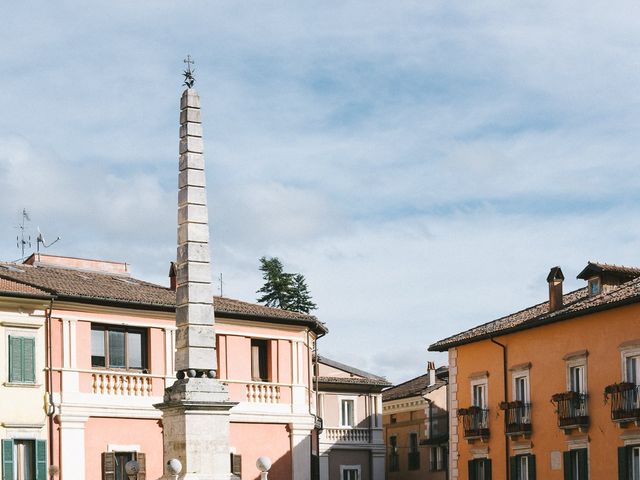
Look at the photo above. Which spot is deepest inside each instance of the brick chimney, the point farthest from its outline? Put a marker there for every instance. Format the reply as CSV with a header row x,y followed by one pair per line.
x,y
173,282
554,279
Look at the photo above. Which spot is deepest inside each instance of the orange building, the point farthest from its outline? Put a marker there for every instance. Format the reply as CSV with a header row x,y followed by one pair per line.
x,y
415,427
551,391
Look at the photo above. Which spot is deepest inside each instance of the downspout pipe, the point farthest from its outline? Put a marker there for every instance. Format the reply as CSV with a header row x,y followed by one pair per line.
x,y
51,409
504,378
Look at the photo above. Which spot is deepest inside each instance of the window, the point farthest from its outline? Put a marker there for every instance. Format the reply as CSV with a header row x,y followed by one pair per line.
x,y
594,286
522,467
436,458
118,347
480,469
346,413
259,360
576,379
629,462
632,369
479,391
350,472
24,459
394,419
113,465
394,463
414,454
575,464
22,367
521,388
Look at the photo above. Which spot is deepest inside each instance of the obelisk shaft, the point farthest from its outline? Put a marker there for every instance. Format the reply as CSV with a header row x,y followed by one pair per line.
x,y
195,339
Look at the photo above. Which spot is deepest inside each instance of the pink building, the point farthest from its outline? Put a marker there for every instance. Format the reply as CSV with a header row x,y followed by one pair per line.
x,y
112,339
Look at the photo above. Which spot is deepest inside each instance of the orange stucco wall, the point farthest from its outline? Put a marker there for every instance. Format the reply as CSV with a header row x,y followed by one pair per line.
x,y
100,432
252,440
544,347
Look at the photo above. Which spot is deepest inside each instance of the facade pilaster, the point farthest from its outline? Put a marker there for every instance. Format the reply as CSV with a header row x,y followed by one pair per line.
x,y
72,446
300,452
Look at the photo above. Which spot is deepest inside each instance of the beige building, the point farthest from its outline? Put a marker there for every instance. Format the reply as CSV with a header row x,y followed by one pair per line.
x,y
351,442
415,423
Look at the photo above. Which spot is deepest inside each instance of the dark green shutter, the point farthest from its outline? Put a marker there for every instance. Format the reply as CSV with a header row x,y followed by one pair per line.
x,y
141,458
487,469
532,467
472,470
15,359
41,459
623,463
29,360
108,466
583,463
566,464
513,468
7,459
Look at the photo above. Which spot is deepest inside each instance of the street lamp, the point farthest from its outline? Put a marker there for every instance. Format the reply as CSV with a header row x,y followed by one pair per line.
x,y
174,467
263,464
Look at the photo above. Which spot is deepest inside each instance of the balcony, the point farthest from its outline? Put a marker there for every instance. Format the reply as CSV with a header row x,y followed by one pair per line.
x,y
345,435
475,421
123,384
518,417
625,402
571,408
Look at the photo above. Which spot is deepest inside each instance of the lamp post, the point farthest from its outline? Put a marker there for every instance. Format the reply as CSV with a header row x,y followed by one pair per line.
x,y
174,467
263,464
132,468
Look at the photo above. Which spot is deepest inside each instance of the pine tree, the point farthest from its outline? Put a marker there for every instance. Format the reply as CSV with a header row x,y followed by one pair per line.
x,y
276,290
300,300
284,290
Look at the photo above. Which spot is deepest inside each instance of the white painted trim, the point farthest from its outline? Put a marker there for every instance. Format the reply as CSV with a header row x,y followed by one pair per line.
x,y
123,448
627,352
221,330
111,321
73,343
353,398
480,381
520,374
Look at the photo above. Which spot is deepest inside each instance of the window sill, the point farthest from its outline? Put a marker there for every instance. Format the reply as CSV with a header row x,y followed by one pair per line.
x,y
21,385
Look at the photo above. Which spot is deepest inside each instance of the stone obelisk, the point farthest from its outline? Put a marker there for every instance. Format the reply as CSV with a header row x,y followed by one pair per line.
x,y
195,411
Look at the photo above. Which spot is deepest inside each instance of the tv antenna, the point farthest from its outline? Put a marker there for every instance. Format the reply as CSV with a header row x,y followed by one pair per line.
x,y
40,240
220,288
23,240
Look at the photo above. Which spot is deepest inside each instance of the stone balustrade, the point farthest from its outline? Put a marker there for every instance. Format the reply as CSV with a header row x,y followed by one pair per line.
x,y
258,392
346,435
126,384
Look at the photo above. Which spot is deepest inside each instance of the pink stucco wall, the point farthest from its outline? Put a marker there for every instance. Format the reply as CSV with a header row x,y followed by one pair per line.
x,y
252,440
100,432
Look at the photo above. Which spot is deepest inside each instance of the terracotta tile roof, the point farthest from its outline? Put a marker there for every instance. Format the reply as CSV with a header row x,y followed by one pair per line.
x,y
575,303
105,288
411,388
8,286
597,268
358,376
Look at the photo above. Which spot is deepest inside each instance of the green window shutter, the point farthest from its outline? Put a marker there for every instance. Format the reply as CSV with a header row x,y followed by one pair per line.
x,y
7,459
472,470
41,459
108,466
15,359
487,469
566,465
29,360
623,463
583,463
142,463
513,468
532,467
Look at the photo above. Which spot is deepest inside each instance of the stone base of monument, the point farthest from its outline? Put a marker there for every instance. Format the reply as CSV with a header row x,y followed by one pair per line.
x,y
195,418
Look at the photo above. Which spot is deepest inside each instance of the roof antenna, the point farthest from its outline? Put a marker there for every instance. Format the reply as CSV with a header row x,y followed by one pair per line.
x,y
40,240
221,294
21,241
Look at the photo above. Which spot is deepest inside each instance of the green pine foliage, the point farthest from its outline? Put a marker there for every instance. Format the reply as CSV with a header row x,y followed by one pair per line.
x,y
284,290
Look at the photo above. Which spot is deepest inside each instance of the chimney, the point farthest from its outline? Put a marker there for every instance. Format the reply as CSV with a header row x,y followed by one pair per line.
x,y
554,279
431,370
173,282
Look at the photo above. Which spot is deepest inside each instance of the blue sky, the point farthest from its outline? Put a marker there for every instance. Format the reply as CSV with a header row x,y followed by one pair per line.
x,y
423,164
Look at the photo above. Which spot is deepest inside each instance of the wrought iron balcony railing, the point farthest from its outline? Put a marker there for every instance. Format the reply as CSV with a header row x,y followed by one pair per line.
x,y
571,408
518,416
414,460
475,421
625,401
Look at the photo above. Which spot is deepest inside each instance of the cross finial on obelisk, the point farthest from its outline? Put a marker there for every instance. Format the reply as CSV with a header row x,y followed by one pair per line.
x,y
189,79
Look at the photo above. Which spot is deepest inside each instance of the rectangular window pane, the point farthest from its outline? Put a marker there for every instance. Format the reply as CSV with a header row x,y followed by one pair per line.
x,y
97,347
135,349
116,349
632,370
346,413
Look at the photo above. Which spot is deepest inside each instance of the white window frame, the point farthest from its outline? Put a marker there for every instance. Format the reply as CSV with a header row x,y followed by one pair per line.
x,y
358,468
355,404
577,362
521,373
480,382
625,353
